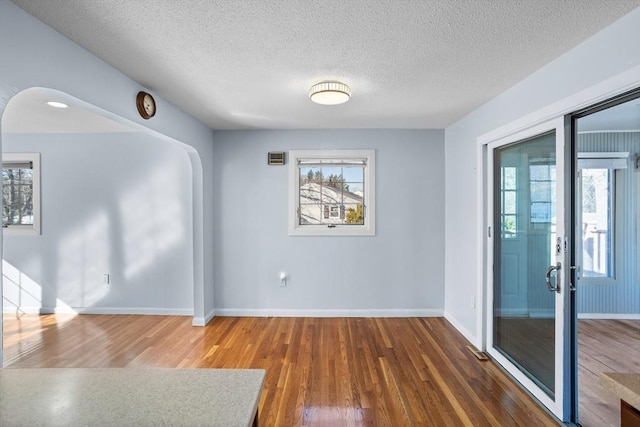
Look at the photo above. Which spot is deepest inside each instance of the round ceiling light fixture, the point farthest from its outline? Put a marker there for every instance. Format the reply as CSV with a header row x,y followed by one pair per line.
x,y
330,93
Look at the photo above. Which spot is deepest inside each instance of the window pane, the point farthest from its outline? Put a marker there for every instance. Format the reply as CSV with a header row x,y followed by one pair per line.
x,y
539,173
509,226
541,213
331,194
509,202
310,193
332,174
311,213
308,175
354,214
541,191
597,223
311,209
17,196
509,181
353,173
356,188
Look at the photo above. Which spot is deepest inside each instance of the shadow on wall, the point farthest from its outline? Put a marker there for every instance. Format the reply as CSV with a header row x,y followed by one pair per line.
x,y
115,201
153,220
21,292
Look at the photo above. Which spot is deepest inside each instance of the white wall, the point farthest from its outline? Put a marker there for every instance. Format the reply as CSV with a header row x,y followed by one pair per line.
x,y
612,51
397,272
34,55
117,203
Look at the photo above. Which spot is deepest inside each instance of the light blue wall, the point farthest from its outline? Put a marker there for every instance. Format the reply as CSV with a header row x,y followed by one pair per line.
x,y
623,296
397,272
614,50
111,203
34,55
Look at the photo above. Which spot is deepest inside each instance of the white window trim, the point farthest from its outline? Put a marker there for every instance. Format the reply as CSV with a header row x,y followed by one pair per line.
x,y
369,227
35,159
596,160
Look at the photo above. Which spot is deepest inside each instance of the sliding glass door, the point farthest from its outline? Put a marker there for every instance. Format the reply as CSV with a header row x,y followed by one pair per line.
x,y
528,268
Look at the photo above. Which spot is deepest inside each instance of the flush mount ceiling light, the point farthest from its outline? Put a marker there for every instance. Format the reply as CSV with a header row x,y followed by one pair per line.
x,y
57,104
330,93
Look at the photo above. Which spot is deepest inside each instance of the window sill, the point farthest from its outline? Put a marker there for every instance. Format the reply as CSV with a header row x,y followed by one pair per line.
x,y
17,230
14,231
323,230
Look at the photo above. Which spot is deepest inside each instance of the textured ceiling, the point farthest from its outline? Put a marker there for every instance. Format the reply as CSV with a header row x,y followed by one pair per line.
x,y
241,64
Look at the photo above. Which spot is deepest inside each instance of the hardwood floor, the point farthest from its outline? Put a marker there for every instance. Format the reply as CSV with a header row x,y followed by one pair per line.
x,y
320,371
604,346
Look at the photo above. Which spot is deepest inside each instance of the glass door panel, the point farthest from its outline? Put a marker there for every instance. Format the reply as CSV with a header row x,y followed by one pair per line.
x,y
606,238
527,252
523,307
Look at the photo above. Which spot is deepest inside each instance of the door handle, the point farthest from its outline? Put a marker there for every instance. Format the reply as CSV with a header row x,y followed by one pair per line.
x,y
555,287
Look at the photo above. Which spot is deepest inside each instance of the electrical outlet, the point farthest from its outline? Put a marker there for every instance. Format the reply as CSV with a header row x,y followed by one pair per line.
x,y
105,278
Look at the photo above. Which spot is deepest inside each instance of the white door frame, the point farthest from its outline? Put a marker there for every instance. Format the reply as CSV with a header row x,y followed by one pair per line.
x,y
609,88
602,91
562,332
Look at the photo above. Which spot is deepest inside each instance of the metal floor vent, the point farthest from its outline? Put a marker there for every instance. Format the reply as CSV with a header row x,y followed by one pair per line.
x,y
275,157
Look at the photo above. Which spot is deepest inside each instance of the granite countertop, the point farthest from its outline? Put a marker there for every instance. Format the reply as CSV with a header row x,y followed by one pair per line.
x,y
625,386
128,397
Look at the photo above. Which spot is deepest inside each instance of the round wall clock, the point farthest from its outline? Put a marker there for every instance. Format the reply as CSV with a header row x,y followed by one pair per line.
x,y
146,105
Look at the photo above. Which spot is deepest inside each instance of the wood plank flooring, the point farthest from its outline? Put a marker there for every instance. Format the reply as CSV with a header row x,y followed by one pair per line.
x,y
604,346
320,371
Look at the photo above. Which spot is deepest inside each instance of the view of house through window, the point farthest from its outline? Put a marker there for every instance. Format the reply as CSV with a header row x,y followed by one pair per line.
x,y
332,192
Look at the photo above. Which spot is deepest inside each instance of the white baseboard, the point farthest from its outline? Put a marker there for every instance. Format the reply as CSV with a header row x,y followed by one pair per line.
x,y
247,312
203,321
610,316
100,310
464,331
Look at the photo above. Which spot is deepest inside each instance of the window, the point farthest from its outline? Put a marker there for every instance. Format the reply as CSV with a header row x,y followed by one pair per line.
x,y
508,195
597,222
596,216
332,193
542,178
21,193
